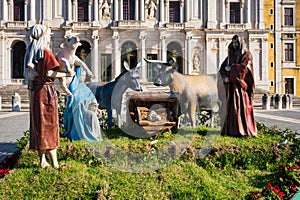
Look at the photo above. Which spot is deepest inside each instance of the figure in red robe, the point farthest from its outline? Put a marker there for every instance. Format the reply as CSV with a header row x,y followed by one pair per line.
x,y
237,81
39,72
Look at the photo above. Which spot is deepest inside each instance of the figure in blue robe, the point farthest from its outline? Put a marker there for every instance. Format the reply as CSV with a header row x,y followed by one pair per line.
x,y
80,121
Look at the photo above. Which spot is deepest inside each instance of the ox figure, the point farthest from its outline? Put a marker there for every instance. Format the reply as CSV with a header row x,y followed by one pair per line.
x,y
196,91
109,96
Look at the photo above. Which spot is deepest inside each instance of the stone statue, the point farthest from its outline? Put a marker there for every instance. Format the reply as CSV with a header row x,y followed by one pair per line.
x,y
152,9
105,9
40,69
196,63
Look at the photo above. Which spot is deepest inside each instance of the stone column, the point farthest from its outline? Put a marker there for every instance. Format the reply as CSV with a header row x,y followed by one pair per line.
x,y
223,14
97,5
227,17
74,10
95,56
121,10
163,47
25,11
116,10
143,54
161,11
189,60
248,20
10,16
166,10
90,11
69,11
142,11
211,14
4,11
261,14
181,11
116,55
188,14
278,50
136,14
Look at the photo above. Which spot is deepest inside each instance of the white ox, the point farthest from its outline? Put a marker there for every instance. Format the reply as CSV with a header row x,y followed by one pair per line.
x,y
197,92
68,60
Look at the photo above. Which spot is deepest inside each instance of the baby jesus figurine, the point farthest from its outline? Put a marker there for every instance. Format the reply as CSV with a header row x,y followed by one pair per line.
x,y
68,61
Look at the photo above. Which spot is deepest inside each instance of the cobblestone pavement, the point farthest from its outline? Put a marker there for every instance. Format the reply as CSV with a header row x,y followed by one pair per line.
x,y
13,124
282,119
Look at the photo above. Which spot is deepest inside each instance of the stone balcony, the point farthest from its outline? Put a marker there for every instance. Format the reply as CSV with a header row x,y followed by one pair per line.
x,y
16,24
236,26
177,26
82,25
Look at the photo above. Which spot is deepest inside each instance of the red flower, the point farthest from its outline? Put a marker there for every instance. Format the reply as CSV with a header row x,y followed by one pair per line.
x,y
3,172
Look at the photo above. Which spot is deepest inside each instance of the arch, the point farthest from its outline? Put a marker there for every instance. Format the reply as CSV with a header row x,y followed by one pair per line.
x,y
174,49
18,54
83,52
129,53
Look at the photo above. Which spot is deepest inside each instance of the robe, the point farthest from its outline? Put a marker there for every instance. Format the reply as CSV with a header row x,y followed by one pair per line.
x,y
237,115
44,123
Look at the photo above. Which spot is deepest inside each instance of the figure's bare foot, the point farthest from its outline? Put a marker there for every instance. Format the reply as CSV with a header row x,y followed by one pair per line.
x,y
56,165
44,164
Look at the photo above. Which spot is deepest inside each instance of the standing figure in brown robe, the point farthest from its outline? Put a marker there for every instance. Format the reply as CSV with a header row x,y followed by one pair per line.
x,y
39,73
238,84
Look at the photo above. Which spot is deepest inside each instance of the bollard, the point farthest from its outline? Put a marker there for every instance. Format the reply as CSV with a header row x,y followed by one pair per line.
x,y
266,101
284,100
272,101
278,101
16,102
0,103
290,101
287,101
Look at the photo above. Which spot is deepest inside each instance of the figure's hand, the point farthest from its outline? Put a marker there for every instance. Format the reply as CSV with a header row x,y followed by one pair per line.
x,y
70,74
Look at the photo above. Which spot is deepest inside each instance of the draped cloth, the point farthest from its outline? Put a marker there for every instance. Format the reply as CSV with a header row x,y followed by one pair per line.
x,y
238,117
44,124
80,123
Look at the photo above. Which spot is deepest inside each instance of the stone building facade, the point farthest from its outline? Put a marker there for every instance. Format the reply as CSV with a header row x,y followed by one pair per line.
x,y
196,32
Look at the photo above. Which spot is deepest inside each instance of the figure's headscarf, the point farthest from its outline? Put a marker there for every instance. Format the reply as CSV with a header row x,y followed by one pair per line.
x,y
236,51
39,34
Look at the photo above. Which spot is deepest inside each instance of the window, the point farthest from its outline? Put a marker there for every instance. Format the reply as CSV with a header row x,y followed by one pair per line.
x,y
174,11
271,27
150,71
83,10
106,67
272,83
19,10
128,9
235,13
271,45
288,17
289,51
271,11
272,64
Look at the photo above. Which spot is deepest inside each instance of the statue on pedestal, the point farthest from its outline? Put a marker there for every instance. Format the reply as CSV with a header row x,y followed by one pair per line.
x,y
105,8
152,9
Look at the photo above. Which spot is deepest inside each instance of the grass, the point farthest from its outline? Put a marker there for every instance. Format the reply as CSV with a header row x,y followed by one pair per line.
x,y
153,168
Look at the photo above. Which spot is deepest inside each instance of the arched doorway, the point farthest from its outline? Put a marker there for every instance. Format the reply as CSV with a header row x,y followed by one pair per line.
x,y
83,52
129,54
175,50
18,54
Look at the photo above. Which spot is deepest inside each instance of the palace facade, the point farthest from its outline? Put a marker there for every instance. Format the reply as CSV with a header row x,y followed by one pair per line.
x,y
196,32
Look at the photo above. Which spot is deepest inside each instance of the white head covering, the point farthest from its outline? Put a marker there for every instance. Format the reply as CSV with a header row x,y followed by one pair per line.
x,y
39,34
